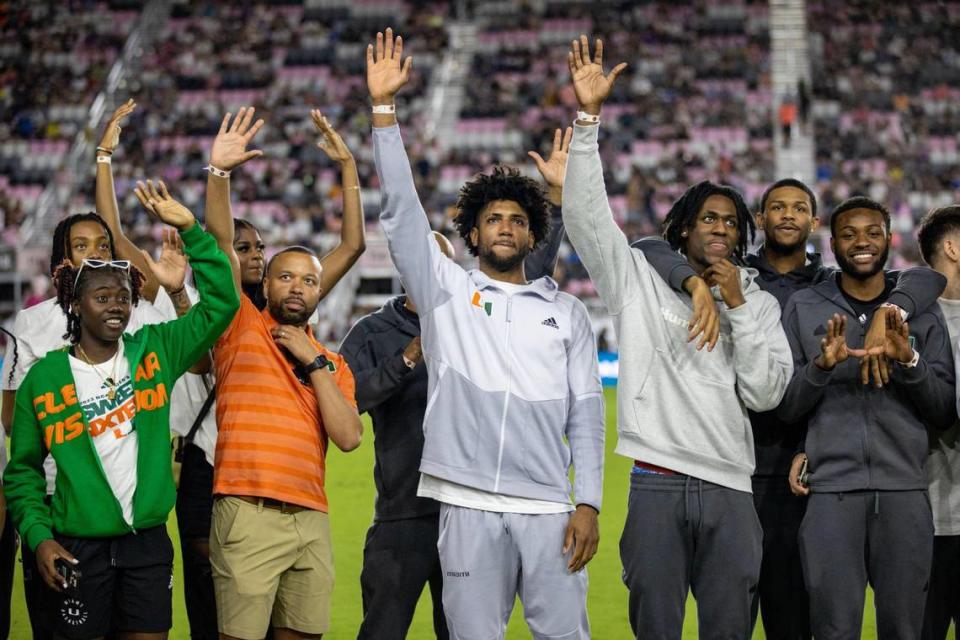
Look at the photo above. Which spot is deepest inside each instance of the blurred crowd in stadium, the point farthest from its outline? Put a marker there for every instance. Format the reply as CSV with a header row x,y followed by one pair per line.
x,y
882,104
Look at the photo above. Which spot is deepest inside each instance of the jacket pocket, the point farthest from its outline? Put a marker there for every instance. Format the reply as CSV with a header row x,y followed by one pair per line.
x,y
691,411
545,455
451,422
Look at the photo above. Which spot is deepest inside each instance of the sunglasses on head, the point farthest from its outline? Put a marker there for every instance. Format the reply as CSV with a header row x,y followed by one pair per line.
x,y
97,264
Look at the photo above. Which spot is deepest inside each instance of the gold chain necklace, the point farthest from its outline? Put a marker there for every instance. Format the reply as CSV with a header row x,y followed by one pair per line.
x,y
110,382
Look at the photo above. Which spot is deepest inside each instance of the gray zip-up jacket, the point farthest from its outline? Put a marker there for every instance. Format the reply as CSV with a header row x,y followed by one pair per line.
x,y
860,437
514,392
679,408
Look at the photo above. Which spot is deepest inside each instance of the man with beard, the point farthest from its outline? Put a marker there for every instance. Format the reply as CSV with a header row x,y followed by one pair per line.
x,y
281,395
868,517
384,352
682,415
788,215
514,392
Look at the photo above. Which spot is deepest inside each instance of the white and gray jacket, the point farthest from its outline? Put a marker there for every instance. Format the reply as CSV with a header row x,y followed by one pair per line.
x,y
678,408
514,393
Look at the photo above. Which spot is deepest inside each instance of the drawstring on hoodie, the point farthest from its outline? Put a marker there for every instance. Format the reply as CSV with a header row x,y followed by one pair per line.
x,y
876,503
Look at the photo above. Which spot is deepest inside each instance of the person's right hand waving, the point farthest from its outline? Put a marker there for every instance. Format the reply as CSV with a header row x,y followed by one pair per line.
x,y
160,203
229,149
589,83
385,74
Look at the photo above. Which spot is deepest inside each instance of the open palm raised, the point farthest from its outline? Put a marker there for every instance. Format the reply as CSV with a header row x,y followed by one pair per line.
x,y
591,86
385,74
159,202
229,148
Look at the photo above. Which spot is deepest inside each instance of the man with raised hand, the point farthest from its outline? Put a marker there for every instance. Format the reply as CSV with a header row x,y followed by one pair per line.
x,y
514,392
682,411
281,397
787,216
868,516
384,352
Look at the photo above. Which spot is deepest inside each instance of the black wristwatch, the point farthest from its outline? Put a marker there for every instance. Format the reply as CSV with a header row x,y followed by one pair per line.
x,y
320,362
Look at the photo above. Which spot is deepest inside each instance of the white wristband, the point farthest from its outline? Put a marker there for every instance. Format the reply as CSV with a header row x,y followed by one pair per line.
x,y
914,361
220,173
103,159
583,116
384,108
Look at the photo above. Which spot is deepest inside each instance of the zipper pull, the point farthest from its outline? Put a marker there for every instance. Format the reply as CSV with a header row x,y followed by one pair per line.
x,y
509,309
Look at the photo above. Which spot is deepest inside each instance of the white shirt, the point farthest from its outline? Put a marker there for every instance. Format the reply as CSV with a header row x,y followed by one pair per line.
x,y
40,329
464,496
190,391
111,422
943,465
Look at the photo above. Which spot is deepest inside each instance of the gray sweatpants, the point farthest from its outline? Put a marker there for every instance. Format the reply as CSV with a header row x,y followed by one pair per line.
x,y
489,558
683,533
848,539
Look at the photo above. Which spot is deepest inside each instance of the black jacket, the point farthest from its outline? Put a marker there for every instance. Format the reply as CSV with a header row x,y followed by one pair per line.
x,y
396,396
860,437
776,441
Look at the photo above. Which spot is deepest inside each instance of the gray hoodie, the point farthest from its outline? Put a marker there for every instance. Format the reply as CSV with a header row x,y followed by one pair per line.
x,y
860,437
678,408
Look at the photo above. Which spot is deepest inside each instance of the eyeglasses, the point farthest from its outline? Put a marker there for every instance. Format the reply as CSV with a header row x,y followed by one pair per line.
x,y
97,264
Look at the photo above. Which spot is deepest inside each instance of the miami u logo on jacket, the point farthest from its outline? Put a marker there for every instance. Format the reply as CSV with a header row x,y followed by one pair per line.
x,y
479,303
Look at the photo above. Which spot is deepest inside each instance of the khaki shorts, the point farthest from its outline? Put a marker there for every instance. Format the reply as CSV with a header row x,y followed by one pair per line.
x,y
270,568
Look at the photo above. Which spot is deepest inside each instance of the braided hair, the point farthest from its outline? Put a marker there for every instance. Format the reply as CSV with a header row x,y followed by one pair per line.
x,y
61,237
683,215
70,288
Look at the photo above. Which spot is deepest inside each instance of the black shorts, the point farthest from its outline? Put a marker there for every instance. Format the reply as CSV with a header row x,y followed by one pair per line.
x,y
125,584
195,495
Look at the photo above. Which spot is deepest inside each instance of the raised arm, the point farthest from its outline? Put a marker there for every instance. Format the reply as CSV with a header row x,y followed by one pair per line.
x,y
106,198
187,339
423,268
352,243
228,152
589,222
543,260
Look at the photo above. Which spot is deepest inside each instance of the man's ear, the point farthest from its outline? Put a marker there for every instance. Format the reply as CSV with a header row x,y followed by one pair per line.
x,y
814,224
760,219
951,250
474,237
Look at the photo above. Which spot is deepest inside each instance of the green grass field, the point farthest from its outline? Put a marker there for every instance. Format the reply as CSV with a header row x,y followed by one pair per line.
x,y
351,493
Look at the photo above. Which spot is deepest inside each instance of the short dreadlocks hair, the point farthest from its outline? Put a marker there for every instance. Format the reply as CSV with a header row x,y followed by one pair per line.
x,y
505,183
61,237
934,226
70,288
858,202
683,215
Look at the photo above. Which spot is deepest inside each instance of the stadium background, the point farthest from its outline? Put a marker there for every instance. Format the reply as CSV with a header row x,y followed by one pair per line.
x,y
871,91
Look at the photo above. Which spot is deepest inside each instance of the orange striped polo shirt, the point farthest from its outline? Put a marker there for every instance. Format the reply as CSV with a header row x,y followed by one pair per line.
x,y
271,441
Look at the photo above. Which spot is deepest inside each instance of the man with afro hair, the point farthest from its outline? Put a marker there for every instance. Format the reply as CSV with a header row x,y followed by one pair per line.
x,y
514,393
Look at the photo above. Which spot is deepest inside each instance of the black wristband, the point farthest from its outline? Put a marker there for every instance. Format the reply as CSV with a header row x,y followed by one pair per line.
x,y
320,362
